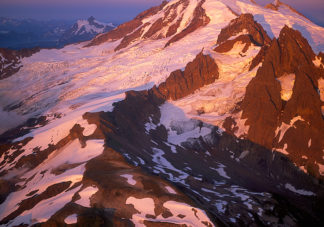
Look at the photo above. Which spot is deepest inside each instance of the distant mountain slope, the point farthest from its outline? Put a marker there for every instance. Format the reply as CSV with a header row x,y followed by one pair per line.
x,y
29,33
84,30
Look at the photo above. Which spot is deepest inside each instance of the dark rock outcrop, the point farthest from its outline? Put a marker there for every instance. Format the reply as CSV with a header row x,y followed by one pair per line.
x,y
10,60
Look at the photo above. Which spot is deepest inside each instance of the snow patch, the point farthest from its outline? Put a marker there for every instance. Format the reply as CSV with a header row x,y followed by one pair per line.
x,y
193,216
318,61
244,154
150,125
320,169
299,191
144,206
284,127
179,127
287,82
221,171
89,129
162,163
71,219
221,206
85,195
321,88
129,178
283,150
170,190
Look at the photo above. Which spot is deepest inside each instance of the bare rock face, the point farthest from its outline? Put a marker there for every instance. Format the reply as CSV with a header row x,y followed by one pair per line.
x,y
252,33
166,26
245,23
282,104
200,72
153,31
10,60
229,44
200,19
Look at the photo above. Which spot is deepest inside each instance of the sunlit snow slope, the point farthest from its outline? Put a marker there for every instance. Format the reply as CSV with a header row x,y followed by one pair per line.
x,y
52,79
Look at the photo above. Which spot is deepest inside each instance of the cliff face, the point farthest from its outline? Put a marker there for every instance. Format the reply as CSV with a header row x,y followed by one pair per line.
x,y
200,72
245,24
244,30
286,112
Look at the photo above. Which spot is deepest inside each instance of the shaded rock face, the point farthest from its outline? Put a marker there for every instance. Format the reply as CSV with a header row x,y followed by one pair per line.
x,y
10,60
289,120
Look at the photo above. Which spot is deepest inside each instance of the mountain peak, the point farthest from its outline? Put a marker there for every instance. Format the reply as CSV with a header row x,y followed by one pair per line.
x,y
277,4
91,19
84,30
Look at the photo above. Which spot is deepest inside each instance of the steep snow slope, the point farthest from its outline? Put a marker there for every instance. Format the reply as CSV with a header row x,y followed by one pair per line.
x,y
64,84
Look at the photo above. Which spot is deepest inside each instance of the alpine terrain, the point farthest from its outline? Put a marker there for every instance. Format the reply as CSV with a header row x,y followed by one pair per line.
x,y
84,30
194,113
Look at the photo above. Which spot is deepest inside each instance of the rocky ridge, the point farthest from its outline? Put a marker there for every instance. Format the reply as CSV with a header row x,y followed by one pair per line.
x,y
10,60
167,25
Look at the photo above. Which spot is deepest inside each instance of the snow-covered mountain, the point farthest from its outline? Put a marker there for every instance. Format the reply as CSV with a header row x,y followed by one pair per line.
x,y
84,30
195,113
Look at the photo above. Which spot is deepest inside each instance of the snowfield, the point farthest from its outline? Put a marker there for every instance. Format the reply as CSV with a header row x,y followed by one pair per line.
x,y
54,79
